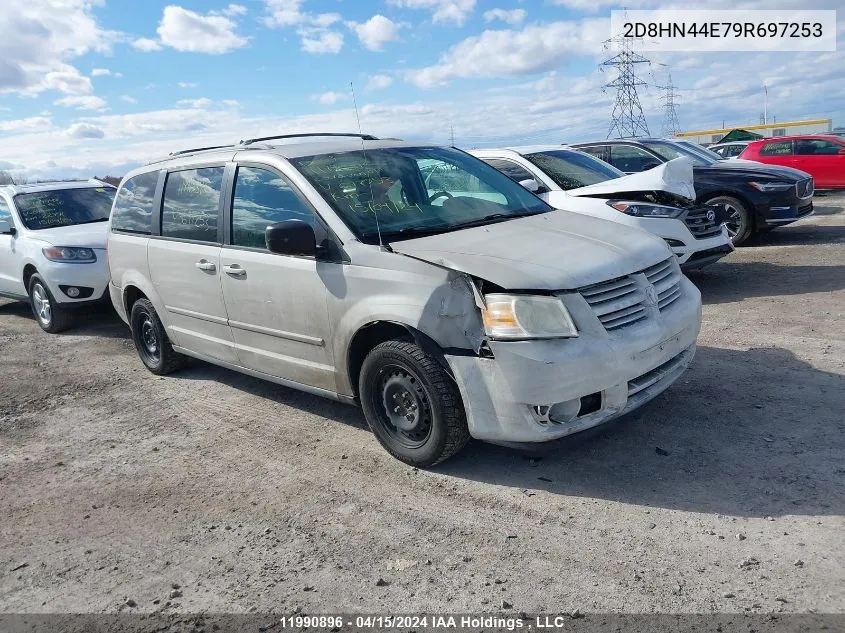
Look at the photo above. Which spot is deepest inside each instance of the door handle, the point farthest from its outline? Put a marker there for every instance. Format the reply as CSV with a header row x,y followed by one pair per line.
x,y
234,270
206,266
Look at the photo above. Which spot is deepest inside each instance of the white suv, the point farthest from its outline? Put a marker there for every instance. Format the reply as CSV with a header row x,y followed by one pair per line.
x,y
413,279
660,200
53,247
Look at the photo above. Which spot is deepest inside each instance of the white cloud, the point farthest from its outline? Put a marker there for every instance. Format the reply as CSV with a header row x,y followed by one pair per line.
x,y
84,130
25,125
504,53
454,11
82,102
234,9
376,32
101,72
68,80
202,102
231,103
188,31
128,99
514,16
378,82
283,13
321,41
330,98
146,45
187,84
40,39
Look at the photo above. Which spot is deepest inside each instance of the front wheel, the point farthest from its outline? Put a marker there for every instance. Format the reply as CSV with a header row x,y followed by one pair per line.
x,y
151,340
740,224
51,316
412,404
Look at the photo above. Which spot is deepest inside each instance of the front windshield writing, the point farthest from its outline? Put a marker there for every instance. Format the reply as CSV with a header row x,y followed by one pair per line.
x,y
404,192
64,207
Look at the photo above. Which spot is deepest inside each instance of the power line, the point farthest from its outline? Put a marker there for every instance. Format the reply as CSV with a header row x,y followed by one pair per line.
x,y
671,126
626,118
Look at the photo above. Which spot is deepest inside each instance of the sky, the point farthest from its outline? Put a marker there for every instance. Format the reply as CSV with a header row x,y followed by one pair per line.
x,y
101,86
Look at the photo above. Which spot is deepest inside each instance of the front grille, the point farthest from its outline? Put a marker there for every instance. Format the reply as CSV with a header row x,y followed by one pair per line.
x,y
624,301
804,188
700,225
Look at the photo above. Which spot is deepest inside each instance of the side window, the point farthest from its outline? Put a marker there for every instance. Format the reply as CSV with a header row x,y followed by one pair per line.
x,y
512,170
778,148
191,203
816,147
133,205
628,158
263,198
599,151
5,212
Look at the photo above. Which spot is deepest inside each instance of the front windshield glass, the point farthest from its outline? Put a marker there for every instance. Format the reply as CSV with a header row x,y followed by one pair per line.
x,y
702,151
412,191
670,151
64,207
571,170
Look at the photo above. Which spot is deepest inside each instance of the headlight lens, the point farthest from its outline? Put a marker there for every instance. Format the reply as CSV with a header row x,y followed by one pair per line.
x,y
70,254
772,186
513,317
645,209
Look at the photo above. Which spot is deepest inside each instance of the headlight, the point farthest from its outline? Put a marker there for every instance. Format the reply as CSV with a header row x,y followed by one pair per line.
x,y
70,254
645,209
772,186
526,316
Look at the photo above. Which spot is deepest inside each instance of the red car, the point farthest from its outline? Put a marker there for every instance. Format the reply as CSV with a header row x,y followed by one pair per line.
x,y
820,155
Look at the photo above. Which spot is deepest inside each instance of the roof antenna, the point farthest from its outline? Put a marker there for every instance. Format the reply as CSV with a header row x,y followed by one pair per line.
x,y
364,153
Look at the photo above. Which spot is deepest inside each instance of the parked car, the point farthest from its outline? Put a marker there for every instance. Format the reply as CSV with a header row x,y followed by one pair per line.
x,y
754,196
660,200
52,247
413,279
728,150
820,155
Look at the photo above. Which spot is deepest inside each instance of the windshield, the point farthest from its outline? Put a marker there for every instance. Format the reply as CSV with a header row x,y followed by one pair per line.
x,y
571,170
64,207
702,151
670,151
412,191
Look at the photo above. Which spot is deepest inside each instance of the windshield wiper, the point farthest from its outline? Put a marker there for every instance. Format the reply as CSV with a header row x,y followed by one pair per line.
x,y
494,217
92,221
415,230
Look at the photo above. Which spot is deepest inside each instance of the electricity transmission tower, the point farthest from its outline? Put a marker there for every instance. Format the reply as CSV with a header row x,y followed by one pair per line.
x,y
671,126
626,118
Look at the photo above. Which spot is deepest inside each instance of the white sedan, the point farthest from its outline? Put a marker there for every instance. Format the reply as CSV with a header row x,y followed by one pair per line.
x,y
660,200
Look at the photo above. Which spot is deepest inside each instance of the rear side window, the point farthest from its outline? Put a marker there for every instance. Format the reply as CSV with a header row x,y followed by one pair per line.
x,y
515,172
779,148
262,198
816,147
133,207
191,204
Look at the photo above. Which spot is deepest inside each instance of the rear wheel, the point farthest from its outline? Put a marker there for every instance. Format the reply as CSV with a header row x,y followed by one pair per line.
x,y
151,340
740,224
51,316
412,405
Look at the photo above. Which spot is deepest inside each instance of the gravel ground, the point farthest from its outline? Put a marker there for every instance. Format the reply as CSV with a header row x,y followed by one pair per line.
x,y
212,491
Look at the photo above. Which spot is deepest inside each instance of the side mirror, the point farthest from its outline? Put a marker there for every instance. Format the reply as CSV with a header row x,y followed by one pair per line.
x,y
291,237
533,186
6,228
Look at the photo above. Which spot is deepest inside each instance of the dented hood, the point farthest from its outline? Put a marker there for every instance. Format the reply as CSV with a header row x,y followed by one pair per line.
x,y
559,250
673,177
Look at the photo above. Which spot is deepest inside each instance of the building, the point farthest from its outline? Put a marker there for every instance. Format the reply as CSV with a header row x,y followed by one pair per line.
x,y
787,128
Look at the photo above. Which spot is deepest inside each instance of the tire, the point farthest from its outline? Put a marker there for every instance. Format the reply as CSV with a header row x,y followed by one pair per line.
x,y
50,315
741,223
151,340
431,423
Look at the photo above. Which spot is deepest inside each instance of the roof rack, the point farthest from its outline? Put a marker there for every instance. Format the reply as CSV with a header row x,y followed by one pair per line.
x,y
364,137
198,149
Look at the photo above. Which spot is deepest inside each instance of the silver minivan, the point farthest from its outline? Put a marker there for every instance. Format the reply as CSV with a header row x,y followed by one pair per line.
x,y
413,279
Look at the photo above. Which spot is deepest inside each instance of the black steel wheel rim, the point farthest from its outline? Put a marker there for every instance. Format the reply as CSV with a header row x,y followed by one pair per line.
x,y
148,339
403,406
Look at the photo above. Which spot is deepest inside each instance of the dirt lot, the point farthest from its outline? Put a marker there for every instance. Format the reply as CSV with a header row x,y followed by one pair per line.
x,y
116,484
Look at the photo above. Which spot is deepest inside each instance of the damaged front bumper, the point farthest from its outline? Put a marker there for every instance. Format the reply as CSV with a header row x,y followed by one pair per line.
x,y
541,390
